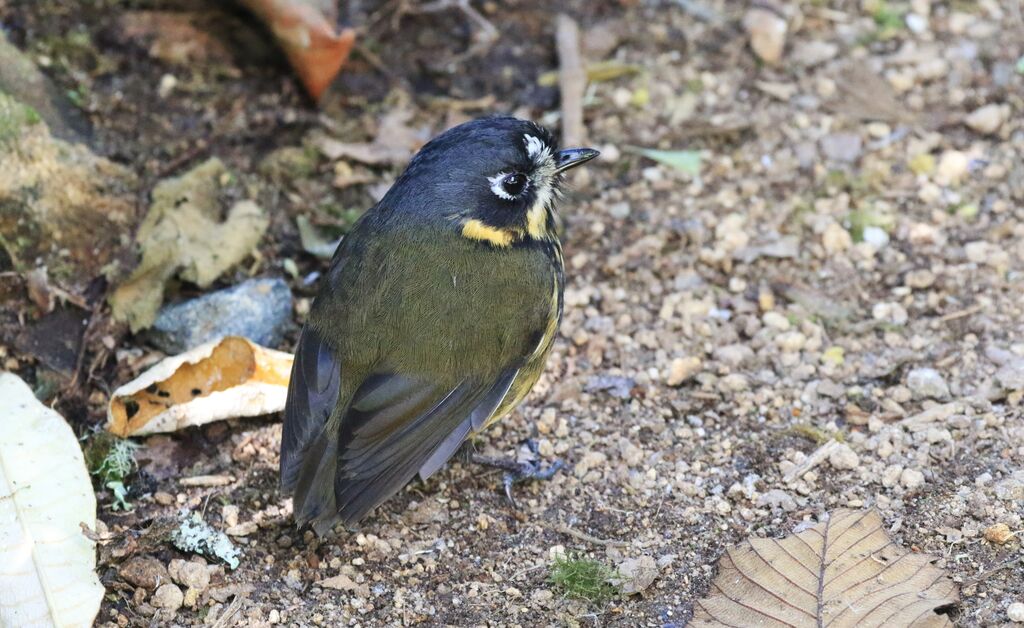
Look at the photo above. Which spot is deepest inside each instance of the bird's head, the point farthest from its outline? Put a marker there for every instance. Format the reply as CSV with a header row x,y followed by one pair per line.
x,y
494,179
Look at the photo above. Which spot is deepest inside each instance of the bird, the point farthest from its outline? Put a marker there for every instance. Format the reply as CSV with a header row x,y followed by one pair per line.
x,y
433,321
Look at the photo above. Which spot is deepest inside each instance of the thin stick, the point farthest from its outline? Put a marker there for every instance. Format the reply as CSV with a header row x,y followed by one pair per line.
x,y
582,536
952,316
572,80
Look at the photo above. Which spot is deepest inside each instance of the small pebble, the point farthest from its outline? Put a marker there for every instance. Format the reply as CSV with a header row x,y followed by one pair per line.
x,y
682,369
842,147
911,479
999,533
767,32
776,321
987,120
168,597
927,383
952,168
1015,612
844,458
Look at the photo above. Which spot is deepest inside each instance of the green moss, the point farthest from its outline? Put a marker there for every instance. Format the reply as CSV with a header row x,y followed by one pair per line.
x,y
14,117
888,19
583,578
110,458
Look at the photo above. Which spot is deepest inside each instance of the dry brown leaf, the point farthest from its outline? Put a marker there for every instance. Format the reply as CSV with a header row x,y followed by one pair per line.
x,y
864,95
305,29
845,571
184,233
394,144
227,378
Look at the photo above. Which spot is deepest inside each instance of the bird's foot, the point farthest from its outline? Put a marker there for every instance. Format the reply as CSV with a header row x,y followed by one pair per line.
x,y
526,466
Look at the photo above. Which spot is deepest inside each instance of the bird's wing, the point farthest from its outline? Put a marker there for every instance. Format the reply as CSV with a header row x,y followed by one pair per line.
x,y
394,427
312,396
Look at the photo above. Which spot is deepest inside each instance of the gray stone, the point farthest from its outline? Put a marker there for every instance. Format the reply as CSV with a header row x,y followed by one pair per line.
x,y
258,309
777,498
927,383
844,147
1011,375
614,385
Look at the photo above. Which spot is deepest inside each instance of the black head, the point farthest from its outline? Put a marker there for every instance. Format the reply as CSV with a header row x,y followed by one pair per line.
x,y
495,179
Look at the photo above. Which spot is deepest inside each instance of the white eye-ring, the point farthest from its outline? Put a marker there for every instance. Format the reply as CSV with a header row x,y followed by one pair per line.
x,y
508,186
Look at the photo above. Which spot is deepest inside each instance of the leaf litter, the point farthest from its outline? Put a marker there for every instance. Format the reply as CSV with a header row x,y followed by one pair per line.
x,y
183,235
225,378
844,571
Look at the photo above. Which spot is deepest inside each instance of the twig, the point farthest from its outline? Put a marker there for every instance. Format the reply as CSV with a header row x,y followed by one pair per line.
x,y
985,574
952,316
582,536
572,80
816,457
228,615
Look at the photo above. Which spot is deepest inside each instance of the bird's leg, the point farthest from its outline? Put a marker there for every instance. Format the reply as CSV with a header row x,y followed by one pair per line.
x,y
526,466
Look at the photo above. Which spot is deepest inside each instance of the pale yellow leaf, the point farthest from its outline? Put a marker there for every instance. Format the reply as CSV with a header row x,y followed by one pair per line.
x,y
843,572
185,233
47,564
223,379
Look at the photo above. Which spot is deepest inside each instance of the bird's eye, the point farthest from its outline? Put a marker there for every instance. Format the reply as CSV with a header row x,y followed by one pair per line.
x,y
513,184
508,186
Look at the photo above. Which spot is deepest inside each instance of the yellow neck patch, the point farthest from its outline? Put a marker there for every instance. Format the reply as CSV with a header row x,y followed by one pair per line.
x,y
476,230
537,222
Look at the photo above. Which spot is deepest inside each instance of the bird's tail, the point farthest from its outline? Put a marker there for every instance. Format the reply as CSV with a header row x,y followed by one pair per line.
x,y
314,498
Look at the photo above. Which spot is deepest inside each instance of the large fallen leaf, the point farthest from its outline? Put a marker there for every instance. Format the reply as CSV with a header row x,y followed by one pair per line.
x,y
183,234
47,575
845,571
223,379
305,30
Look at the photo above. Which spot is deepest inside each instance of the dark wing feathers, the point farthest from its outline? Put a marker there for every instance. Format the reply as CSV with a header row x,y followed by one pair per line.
x,y
312,396
494,397
480,414
372,469
394,427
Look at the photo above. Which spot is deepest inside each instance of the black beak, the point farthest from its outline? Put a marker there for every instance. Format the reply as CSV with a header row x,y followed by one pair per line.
x,y
572,157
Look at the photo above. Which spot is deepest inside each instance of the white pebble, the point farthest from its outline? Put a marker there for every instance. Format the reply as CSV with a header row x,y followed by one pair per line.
x,y
1015,612
928,383
911,479
988,119
953,166
776,321
844,458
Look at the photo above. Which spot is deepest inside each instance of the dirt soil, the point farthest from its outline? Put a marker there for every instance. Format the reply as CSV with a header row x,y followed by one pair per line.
x,y
847,266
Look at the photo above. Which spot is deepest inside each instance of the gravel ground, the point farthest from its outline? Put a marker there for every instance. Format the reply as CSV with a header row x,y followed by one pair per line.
x,y
828,316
